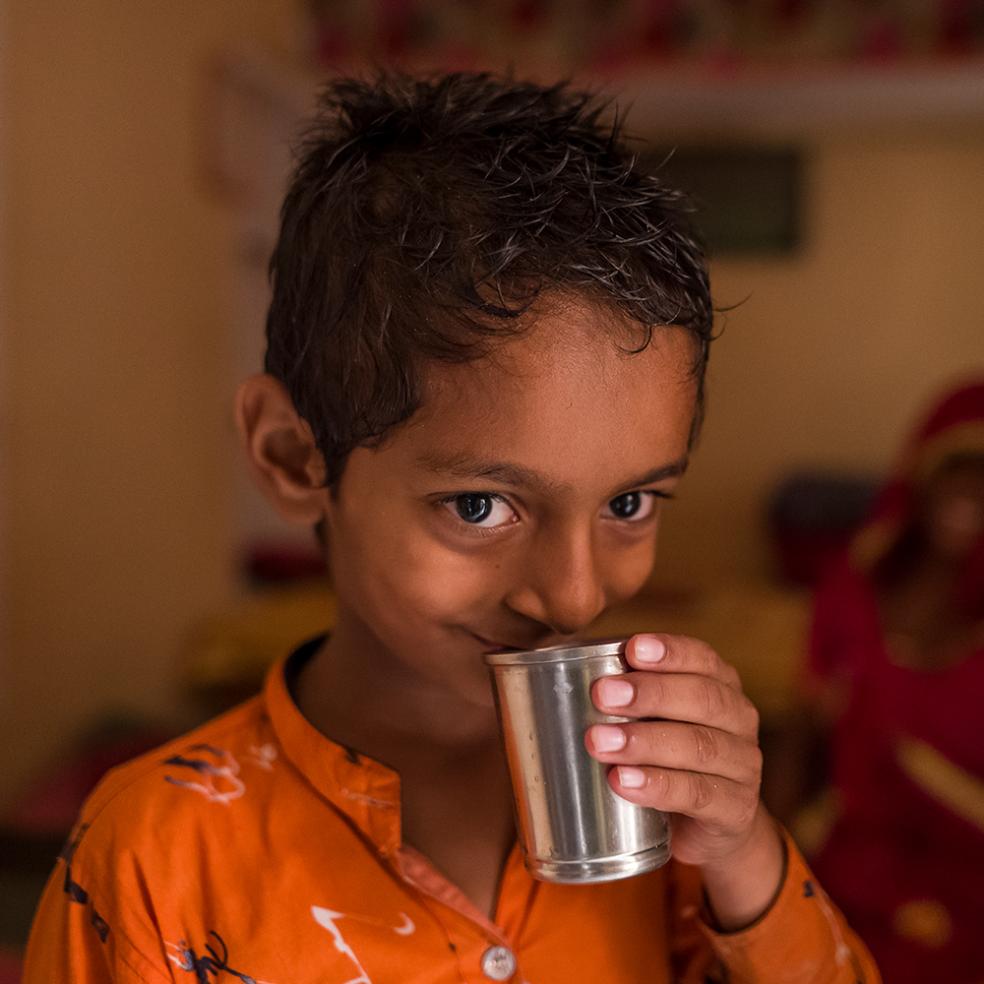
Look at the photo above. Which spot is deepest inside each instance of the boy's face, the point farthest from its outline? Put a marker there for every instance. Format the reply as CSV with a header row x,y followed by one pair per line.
x,y
521,500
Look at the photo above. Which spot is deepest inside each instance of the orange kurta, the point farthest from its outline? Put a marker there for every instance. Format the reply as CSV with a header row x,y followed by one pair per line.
x,y
256,850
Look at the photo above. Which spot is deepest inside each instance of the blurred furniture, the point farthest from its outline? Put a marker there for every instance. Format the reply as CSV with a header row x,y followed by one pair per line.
x,y
228,654
26,861
10,967
48,806
812,515
757,627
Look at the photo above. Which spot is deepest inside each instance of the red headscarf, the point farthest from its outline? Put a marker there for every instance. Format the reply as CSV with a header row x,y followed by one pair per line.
x,y
955,426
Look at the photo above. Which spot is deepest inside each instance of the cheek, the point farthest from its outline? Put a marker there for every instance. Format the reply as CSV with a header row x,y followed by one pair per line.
x,y
413,578
628,569
447,585
956,522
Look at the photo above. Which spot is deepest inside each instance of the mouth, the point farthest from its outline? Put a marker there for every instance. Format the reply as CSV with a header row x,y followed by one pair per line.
x,y
490,646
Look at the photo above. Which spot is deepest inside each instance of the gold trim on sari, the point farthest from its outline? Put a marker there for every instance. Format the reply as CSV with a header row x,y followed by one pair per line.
x,y
958,790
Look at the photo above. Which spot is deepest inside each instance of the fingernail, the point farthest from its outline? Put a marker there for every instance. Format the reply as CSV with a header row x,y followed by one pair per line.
x,y
631,778
649,650
606,738
616,693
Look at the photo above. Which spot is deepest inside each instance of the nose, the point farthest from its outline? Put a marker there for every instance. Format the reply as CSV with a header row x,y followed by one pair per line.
x,y
560,584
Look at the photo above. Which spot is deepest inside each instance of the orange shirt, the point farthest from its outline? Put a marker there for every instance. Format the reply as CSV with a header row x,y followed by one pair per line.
x,y
256,850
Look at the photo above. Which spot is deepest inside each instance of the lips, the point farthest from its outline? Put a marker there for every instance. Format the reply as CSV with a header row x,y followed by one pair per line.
x,y
492,646
495,646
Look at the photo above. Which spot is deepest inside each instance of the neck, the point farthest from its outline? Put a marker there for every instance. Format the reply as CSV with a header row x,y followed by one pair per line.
x,y
454,782
356,692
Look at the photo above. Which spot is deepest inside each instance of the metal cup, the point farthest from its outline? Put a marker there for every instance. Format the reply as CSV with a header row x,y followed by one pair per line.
x,y
573,828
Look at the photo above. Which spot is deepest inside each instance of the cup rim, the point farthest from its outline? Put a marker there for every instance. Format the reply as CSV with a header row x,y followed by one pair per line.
x,y
566,652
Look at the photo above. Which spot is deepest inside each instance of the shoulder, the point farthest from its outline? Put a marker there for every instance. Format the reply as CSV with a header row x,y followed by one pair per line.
x,y
179,791
142,836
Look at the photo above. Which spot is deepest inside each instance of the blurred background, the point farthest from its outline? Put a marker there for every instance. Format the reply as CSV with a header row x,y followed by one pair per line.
x,y
835,151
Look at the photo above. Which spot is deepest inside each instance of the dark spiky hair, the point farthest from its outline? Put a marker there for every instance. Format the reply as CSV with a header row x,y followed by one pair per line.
x,y
425,216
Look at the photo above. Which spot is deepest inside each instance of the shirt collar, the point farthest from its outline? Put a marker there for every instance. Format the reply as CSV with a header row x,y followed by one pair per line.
x,y
360,788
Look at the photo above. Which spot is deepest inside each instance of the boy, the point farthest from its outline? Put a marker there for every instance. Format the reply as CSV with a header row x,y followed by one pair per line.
x,y
486,349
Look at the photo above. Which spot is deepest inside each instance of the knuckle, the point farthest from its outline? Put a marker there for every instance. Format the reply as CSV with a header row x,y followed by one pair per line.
x,y
711,699
705,744
659,783
749,809
754,719
707,656
655,688
700,791
755,764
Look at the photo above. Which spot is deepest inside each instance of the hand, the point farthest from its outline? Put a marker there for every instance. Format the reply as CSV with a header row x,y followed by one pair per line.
x,y
694,751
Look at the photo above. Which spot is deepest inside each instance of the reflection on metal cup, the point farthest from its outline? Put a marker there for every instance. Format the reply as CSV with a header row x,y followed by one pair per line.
x,y
573,828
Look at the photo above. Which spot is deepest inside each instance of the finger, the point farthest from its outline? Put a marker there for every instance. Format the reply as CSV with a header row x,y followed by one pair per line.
x,y
680,747
679,654
677,697
713,800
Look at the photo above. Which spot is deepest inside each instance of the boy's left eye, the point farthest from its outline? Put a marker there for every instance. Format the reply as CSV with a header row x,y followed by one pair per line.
x,y
633,507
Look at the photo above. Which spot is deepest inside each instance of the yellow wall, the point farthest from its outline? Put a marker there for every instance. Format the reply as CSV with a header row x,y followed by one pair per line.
x,y
116,446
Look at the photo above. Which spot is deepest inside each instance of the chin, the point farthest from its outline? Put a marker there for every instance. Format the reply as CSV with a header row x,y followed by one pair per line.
x,y
486,701
479,693
456,668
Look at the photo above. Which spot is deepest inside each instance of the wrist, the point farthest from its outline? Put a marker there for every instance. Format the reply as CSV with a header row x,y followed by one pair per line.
x,y
742,887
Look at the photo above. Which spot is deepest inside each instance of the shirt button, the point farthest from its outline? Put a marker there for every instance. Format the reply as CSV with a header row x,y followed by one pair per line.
x,y
498,963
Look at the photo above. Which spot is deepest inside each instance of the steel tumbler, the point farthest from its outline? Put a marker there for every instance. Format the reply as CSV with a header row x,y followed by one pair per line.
x,y
572,827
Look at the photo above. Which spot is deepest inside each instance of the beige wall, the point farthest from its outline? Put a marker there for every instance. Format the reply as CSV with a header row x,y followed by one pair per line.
x,y
116,444
114,440
836,349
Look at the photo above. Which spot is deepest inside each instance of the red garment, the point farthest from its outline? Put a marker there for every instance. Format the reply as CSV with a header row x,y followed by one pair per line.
x,y
905,855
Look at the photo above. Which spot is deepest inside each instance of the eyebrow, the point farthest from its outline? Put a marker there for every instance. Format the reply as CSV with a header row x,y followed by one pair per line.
x,y
465,466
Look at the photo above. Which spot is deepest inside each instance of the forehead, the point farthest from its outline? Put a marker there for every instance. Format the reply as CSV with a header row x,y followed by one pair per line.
x,y
567,398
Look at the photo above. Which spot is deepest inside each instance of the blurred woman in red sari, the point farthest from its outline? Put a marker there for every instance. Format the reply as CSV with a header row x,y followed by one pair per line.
x,y
897,664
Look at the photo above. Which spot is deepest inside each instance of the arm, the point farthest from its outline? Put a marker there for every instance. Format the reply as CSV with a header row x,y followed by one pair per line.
x,y
71,938
800,939
694,754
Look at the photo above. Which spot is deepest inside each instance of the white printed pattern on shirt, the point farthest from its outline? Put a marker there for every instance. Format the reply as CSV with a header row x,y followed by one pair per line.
x,y
329,919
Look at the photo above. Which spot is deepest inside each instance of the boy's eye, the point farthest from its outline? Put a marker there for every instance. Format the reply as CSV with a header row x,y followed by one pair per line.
x,y
634,506
483,509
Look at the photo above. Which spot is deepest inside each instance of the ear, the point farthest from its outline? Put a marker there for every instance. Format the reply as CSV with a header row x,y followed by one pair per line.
x,y
281,451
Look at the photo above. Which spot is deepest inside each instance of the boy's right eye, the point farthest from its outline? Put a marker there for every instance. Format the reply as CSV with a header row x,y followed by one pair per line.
x,y
485,510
